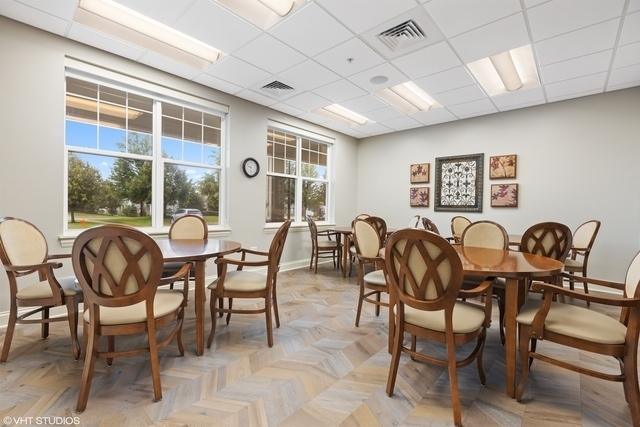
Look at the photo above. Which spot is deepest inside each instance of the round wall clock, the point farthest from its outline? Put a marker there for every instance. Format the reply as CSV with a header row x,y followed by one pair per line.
x,y
250,167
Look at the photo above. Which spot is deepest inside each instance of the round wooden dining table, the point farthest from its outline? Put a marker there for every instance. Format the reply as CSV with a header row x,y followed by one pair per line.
x,y
197,251
344,236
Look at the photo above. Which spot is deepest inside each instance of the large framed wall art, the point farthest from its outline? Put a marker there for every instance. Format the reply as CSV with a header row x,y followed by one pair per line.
x,y
459,182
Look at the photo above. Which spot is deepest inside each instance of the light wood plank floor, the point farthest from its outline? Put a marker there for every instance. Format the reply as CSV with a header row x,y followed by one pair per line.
x,y
321,371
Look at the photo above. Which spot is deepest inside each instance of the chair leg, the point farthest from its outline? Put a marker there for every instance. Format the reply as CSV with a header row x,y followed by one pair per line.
x,y
533,344
631,387
311,259
111,346
275,305
90,353
315,268
44,327
171,286
360,299
268,308
220,306
154,361
395,357
572,283
479,358
453,379
72,317
585,286
8,336
524,338
501,313
392,327
378,305
414,342
230,307
179,332
214,318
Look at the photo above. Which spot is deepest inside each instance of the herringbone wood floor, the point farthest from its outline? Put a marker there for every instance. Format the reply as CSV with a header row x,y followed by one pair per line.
x,y
321,371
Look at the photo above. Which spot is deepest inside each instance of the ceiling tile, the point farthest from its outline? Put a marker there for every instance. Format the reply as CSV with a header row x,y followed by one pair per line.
x,y
316,118
269,54
623,86
523,105
307,101
434,116
577,43
631,29
383,114
455,17
581,84
364,104
446,80
582,66
307,75
362,56
237,71
211,23
28,15
216,83
170,66
472,109
363,78
358,15
165,11
491,39
61,8
287,109
87,35
634,5
460,95
624,75
520,97
374,129
429,60
340,90
574,95
311,30
401,123
560,16
627,55
256,97
531,3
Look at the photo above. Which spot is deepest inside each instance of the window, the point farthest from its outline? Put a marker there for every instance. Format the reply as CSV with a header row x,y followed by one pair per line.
x,y
298,182
137,159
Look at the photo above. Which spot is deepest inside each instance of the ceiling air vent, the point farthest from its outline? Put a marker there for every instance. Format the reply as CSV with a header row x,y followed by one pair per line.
x,y
277,89
402,35
277,86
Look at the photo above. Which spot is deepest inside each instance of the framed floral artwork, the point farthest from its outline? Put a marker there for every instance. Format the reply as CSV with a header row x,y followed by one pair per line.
x,y
420,173
419,197
504,195
503,167
459,183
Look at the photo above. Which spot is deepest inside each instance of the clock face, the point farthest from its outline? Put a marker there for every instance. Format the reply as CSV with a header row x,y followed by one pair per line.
x,y
250,167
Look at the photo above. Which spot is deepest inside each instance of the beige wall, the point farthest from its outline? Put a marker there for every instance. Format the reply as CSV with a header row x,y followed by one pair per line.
x,y
577,160
31,141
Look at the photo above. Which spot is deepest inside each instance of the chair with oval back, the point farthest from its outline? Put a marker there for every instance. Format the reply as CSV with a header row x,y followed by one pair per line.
x,y
587,330
249,284
24,252
414,222
367,237
119,269
352,250
583,239
192,227
430,225
323,248
425,274
458,224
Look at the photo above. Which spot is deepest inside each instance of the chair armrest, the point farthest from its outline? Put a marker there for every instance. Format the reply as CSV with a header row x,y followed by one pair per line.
x,y
327,233
253,252
485,287
605,283
242,263
183,273
34,267
549,290
59,256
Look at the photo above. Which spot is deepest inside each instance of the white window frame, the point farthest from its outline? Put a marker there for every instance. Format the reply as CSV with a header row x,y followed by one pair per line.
x,y
158,94
299,133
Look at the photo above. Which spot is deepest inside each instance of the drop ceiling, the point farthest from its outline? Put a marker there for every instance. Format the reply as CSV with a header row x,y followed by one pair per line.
x,y
328,52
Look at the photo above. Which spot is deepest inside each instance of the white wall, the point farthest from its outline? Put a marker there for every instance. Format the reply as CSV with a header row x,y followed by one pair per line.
x,y
577,160
31,141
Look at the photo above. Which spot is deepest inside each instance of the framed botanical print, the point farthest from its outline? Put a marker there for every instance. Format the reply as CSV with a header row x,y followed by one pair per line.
x,y
503,167
504,195
419,197
420,173
459,183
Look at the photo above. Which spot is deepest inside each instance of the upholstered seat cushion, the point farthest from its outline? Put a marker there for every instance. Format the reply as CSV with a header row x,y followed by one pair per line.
x,y
466,318
165,302
327,244
572,263
242,281
375,278
43,289
577,322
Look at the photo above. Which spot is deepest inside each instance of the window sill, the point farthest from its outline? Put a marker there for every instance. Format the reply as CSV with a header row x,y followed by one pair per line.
x,y
66,240
271,228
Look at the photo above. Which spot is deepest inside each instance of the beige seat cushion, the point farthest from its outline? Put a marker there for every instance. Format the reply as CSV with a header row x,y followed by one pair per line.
x,y
574,263
242,281
327,244
576,322
375,278
166,302
466,318
43,289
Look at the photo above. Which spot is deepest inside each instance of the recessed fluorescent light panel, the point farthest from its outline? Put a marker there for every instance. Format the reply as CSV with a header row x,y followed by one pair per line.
x,y
338,112
119,21
407,97
508,71
262,13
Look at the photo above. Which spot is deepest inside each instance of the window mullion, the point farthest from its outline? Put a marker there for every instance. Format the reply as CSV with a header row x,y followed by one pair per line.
x,y
157,178
298,213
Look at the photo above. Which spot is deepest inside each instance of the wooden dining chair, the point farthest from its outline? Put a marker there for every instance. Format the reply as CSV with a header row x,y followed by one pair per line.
x,y
352,249
119,269
458,224
368,242
430,225
323,248
583,239
425,274
587,330
414,222
191,227
24,252
249,284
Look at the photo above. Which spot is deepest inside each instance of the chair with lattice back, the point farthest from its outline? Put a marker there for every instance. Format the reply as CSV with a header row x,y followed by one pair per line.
x,y
430,225
119,269
425,273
